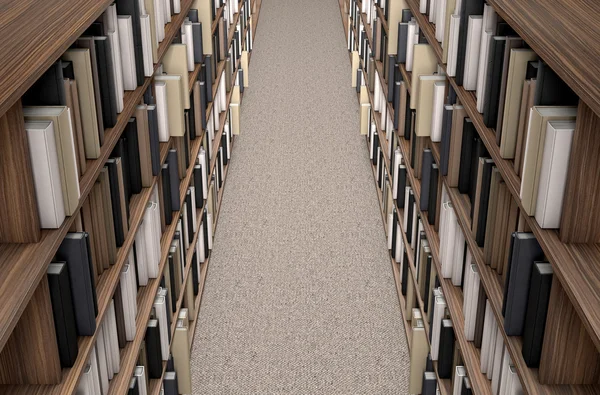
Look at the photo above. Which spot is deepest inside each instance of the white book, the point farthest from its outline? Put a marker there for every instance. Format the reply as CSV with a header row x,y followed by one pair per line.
x,y
423,6
492,348
204,165
94,374
432,10
390,230
129,314
189,44
146,45
159,19
200,251
141,252
192,192
140,374
514,387
472,52
486,340
504,375
448,253
487,33
440,20
160,88
112,27
160,310
86,386
459,254
412,29
377,94
470,318
399,253
107,347
498,359
147,232
184,226
453,45
397,164
223,92
459,374
210,231
438,315
127,53
167,13
176,6
46,173
114,342
553,173
439,93
101,359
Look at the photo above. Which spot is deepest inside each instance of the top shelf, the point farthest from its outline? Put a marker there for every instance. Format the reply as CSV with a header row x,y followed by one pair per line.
x,y
40,32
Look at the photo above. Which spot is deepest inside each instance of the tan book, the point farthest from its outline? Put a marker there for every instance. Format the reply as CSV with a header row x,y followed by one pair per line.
x,y
179,143
364,95
175,63
143,134
184,316
365,119
205,18
89,44
418,357
228,74
402,115
355,67
420,145
82,68
197,110
424,63
511,43
539,117
222,34
450,6
526,104
149,5
73,104
181,357
395,8
97,207
244,66
409,297
235,118
490,226
108,216
188,300
514,92
425,104
65,147
175,105
86,218
474,221
77,225
458,117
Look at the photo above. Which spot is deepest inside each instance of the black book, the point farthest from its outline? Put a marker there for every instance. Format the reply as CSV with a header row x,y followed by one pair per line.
x,y
525,250
537,309
466,156
170,383
193,15
49,89
241,78
174,179
402,41
191,116
86,236
131,7
173,280
466,387
154,142
394,234
195,274
429,362
166,187
190,215
429,383
532,69
446,136
493,81
133,387
73,250
405,279
133,156
63,313
400,192
446,350
106,79
480,316
481,217
115,199
374,147
451,98
120,317
224,146
148,96
390,77
203,103
199,193
408,210
551,90
433,191
197,36
153,350
427,282
208,77
469,7
425,179
205,225
358,80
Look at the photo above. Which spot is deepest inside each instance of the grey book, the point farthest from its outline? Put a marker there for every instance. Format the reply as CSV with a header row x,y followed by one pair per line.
x,y
170,383
406,15
525,250
391,77
446,134
425,179
154,142
208,77
537,309
433,192
429,383
106,79
74,251
197,34
174,179
551,90
193,15
402,39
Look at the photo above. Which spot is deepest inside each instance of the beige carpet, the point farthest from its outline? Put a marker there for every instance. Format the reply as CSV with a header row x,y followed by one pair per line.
x,y
300,296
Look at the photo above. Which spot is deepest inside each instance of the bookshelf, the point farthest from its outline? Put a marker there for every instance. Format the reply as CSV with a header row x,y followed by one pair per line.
x,y
25,264
575,264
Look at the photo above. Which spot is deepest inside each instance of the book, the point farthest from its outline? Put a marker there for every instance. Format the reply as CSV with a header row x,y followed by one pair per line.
x,y
63,313
175,63
424,106
424,63
175,103
537,309
132,8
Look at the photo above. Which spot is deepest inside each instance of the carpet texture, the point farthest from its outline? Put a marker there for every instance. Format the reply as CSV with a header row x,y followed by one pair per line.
x,y
300,295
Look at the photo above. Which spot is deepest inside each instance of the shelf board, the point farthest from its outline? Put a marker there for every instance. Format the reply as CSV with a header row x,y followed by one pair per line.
x,y
24,265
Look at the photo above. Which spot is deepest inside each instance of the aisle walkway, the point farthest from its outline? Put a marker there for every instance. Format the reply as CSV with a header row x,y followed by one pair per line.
x,y
300,296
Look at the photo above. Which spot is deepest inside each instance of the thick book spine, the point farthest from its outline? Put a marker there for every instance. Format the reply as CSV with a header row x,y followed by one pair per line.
x,y
153,351
466,155
166,187
174,179
446,353
537,309
133,154
433,194
425,179
154,142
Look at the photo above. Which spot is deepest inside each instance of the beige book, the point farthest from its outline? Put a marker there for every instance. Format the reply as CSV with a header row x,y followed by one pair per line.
x,y
99,226
365,111
514,91
175,63
409,297
474,221
188,300
73,104
235,118
108,216
82,68
228,74
450,6
418,357
143,134
458,117
149,4
390,200
526,104
236,96
89,44
179,145
181,357
244,66
424,63
65,147
210,199
490,226
425,104
539,117
174,103
205,18
364,95
197,111
355,66
395,8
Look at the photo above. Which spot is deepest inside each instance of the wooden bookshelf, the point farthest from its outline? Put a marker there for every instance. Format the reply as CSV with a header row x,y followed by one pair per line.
x,y
575,264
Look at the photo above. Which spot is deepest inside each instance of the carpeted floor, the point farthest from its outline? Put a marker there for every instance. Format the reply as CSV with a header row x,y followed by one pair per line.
x,y
300,296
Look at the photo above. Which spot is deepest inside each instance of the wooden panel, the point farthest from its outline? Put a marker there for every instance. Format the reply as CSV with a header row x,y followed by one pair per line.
x,y
31,354
581,207
20,222
568,354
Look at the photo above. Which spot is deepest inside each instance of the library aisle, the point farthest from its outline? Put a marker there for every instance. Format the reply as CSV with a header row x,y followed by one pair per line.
x,y
300,296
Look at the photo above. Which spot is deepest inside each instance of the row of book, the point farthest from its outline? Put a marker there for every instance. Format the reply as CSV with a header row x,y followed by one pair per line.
x,y
65,122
